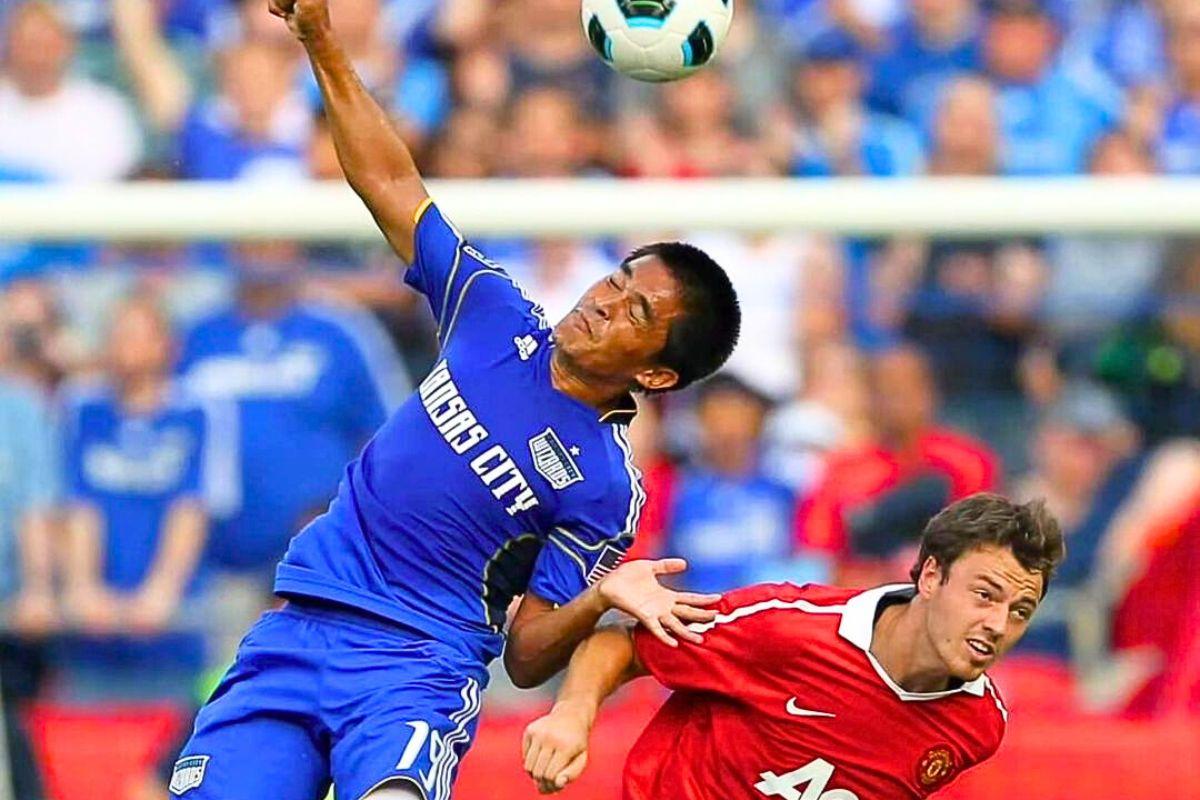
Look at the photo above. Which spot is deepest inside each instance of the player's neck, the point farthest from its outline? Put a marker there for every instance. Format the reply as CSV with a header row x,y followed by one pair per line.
x,y
601,395
901,647
141,394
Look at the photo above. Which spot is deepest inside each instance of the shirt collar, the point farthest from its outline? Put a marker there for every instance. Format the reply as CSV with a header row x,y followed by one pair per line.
x,y
858,628
624,412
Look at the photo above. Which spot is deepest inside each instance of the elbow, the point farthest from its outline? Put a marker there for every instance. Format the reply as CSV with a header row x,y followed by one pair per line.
x,y
523,672
526,666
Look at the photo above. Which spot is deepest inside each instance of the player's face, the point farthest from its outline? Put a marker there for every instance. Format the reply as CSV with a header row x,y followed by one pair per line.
x,y
980,610
619,327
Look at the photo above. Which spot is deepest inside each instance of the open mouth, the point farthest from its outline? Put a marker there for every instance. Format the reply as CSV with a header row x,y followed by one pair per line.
x,y
981,649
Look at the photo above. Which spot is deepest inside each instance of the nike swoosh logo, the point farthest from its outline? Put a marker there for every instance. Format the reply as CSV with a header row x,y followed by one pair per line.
x,y
797,711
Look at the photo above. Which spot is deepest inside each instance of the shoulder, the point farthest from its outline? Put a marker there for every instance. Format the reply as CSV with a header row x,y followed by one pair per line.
x,y
96,98
793,599
183,403
991,712
952,445
79,395
20,395
599,464
209,324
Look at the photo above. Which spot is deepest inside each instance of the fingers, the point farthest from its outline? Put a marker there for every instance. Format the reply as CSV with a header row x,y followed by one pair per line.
x,y
531,747
560,759
546,756
694,599
572,771
675,626
690,614
557,779
655,627
668,566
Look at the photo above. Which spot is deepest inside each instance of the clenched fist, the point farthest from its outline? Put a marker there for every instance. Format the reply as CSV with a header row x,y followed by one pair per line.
x,y
305,18
556,747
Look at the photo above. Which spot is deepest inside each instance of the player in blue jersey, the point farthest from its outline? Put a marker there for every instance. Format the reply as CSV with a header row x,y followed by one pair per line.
x,y
507,473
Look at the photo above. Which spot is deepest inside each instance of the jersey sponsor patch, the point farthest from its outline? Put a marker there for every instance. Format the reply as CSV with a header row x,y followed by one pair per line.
x,y
188,774
553,460
610,557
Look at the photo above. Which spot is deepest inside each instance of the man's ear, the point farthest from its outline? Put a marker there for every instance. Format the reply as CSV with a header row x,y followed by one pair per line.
x,y
930,577
656,379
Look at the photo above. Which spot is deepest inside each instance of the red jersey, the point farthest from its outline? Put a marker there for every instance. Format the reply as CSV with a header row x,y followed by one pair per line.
x,y
784,699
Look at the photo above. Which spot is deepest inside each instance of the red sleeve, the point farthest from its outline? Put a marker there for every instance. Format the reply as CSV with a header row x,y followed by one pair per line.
x,y
737,647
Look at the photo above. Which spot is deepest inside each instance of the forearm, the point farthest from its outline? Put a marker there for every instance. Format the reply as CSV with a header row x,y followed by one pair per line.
x,y
84,545
377,163
37,552
604,662
177,556
542,638
161,84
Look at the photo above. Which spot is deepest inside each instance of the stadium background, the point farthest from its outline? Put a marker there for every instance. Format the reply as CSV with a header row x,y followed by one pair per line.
x,y
877,378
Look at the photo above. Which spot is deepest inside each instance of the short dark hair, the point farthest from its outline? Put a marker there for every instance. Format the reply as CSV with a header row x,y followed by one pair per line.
x,y
981,520
703,339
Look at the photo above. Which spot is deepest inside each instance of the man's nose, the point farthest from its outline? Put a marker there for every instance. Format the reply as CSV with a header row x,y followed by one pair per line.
x,y
996,622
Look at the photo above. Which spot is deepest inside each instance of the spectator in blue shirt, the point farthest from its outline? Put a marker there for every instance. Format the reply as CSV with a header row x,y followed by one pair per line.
x,y
1050,117
257,124
1132,42
937,41
730,521
312,384
28,492
144,466
839,135
1178,146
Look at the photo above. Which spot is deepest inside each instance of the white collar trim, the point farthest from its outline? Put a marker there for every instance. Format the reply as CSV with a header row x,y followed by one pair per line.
x,y
858,628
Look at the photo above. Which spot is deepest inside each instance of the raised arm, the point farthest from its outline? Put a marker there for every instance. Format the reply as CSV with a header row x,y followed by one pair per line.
x,y
555,746
377,163
159,80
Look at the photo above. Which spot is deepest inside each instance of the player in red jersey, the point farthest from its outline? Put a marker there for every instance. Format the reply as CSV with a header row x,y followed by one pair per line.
x,y
815,693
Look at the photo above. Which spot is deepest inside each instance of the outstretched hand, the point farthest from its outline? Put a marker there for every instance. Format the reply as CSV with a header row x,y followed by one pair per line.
x,y
304,18
634,588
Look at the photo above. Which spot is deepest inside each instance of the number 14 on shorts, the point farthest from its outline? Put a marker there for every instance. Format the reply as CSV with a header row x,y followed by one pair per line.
x,y
813,777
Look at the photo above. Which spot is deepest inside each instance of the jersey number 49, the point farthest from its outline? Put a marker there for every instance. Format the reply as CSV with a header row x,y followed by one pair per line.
x,y
813,777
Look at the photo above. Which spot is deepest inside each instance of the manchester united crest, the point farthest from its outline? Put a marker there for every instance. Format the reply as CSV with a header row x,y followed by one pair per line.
x,y
936,766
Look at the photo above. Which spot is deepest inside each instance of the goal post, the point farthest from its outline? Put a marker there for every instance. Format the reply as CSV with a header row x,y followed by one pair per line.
x,y
946,207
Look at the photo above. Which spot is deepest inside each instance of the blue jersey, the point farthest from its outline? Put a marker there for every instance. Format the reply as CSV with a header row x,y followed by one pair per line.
x,y
131,468
729,528
311,385
487,481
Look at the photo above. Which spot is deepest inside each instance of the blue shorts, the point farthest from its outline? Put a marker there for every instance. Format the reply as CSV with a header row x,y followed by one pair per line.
x,y
324,693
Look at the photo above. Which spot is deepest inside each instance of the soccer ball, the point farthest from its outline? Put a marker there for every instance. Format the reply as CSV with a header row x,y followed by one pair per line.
x,y
656,40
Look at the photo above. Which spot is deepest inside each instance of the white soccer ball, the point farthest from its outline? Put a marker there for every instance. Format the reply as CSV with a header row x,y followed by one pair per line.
x,y
657,40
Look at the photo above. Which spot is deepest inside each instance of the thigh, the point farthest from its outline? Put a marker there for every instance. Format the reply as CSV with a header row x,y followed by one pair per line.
x,y
253,757
260,735
409,731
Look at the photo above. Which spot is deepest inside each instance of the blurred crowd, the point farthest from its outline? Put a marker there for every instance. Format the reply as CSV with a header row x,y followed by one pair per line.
x,y
171,414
